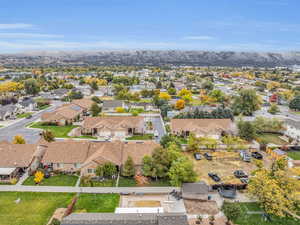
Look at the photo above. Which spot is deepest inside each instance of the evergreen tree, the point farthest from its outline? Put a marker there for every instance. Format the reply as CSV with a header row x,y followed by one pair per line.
x,y
128,169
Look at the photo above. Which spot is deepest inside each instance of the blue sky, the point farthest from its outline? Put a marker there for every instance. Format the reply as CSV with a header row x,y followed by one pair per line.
x,y
237,25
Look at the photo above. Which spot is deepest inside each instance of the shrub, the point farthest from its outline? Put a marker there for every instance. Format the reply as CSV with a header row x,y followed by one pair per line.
x,y
55,222
13,181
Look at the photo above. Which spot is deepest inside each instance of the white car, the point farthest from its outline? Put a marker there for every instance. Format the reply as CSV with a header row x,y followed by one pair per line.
x,y
156,133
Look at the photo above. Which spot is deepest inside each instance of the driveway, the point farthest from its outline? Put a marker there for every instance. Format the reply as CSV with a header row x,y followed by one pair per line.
x,y
158,125
19,128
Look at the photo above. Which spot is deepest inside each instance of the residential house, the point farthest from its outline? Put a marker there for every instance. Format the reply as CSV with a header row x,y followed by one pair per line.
x,y
125,219
111,105
59,93
8,112
146,106
66,114
85,104
15,159
27,105
85,156
202,127
113,126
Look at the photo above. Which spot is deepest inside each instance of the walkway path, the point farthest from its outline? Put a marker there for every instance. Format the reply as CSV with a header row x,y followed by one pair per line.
x,y
23,178
146,190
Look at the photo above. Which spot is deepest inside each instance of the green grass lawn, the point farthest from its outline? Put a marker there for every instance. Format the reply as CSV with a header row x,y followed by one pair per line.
x,y
58,131
93,203
85,137
130,182
106,183
24,115
256,219
294,155
44,107
271,138
33,209
56,180
141,137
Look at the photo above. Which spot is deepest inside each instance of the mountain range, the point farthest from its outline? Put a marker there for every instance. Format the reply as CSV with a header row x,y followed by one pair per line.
x,y
151,58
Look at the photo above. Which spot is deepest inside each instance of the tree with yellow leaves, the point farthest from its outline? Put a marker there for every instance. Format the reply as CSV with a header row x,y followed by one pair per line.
x,y
120,110
38,177
275,189
273,85
164,96
18,139
180,104
10,86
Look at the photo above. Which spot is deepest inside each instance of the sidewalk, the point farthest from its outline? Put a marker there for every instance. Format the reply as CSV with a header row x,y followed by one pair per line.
x,y
96,190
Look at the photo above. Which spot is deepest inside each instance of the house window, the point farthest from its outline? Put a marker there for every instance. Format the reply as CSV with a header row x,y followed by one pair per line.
x,y
77,165
91,170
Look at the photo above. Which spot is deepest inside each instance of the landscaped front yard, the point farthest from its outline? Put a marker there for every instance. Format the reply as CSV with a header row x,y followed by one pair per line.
x,y
55,180
105,183
251,219
58,131
93,203
141,137
130,182
24,115
33,208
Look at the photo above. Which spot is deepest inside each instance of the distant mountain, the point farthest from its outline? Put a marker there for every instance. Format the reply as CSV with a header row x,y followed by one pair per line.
x,y
153,58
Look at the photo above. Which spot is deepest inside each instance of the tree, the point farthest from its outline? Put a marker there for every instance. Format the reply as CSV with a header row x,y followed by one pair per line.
x,y
75,95
182,171
231,210
128,169
18,139
94,85
95,109
38,177
48,135
274,109
275,190
218,95
109,169
295,103
208,142
164,96
172,91
31,86
247,130
208,85
246,102
180,104
96,99
148,167
193,143
120,110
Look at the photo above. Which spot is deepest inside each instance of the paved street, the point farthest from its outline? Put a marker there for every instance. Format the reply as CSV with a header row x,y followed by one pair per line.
x,y
19,128
283,114
159,126
150,190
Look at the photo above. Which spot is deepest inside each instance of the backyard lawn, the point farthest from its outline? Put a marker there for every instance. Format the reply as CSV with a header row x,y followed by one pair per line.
x,y
271,138
56,180
33,208
294,155
250,219
106,183
24,115
58,131
93,203
141,137
130,182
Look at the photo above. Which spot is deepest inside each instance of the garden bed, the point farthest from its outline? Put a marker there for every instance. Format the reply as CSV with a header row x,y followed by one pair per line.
x,y
55,180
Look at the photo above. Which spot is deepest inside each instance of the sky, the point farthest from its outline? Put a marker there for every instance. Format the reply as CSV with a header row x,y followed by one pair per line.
x,y
217,25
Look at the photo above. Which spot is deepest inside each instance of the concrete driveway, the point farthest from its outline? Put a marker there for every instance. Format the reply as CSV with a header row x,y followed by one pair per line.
x,y
158,125
19,128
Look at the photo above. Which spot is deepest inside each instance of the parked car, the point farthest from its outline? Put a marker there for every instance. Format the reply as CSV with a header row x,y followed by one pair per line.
x,y
246,157
257,155
214,176
197,156
47,174
240,174
29,117
208,156
156,133
244,180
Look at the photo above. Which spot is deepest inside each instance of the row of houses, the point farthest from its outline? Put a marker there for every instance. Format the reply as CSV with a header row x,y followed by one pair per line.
x,y
70,156
10,111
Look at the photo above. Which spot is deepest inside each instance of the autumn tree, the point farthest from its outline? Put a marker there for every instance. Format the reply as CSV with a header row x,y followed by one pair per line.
x,y
95,109
18,139
48,135
180,104
246,102
31,86
164,96
120,110
38,177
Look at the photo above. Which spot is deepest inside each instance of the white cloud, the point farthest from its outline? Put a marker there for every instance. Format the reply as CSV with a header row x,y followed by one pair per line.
x,y
7,26
198,38
29,35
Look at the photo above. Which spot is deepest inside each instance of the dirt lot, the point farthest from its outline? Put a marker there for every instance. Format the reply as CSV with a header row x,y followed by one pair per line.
x,y
201,207
224,164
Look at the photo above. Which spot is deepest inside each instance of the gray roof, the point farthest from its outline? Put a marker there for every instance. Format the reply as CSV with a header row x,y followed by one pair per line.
x,y
7,108
126,218
112,103
195,188
27,102
293,123
60,91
